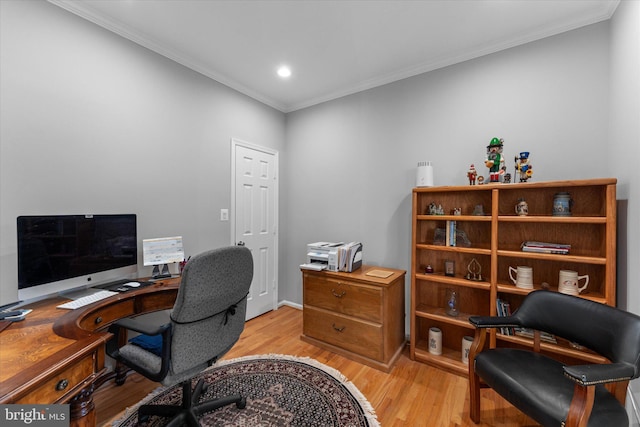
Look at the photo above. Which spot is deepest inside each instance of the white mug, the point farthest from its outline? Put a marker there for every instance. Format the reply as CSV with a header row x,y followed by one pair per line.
x,y
435,341
524,276
569,282
466,346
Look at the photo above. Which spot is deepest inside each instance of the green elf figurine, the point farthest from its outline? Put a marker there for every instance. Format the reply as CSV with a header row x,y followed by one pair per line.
x,y
495,161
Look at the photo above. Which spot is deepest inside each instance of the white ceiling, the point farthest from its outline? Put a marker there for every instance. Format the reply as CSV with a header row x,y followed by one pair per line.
x,y
334,48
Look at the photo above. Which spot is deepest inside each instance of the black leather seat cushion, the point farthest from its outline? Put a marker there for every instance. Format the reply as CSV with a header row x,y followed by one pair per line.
x,y
536,385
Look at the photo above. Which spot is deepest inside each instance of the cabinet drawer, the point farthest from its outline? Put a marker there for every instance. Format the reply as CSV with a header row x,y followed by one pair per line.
x,y
360,337
63,382
105,315
353,299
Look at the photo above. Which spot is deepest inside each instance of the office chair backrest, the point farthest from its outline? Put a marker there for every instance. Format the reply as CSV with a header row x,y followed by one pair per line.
x,y
609,331
209,313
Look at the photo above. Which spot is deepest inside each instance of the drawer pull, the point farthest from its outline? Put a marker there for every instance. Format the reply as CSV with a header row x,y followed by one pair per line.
x,y
98,320
62,384
338,295
338,329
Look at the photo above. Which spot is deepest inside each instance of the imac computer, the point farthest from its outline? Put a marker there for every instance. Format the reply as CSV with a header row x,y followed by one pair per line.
x,y
161,252
60,253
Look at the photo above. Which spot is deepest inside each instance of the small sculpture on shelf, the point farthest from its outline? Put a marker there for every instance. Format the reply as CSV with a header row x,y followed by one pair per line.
x,y
478,210
495,161
435,209
522,207
452,303
456,211
472,174
474,271
428,269
523,166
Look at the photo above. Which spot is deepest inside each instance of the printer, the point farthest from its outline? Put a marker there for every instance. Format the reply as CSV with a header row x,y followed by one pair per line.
x,y
334,256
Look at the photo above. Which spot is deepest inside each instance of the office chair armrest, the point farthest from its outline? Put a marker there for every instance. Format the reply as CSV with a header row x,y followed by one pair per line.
x,y
141,327
494,321
587,375
113,345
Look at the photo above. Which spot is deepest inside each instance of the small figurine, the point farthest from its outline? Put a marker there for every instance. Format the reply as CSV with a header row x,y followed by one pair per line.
x,y
480,180
428,269
472,174
478,210
495,161
474,271
507,178
432,208
522,207
456,211
523,167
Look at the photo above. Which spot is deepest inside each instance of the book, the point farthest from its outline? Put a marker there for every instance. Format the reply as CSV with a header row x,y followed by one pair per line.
x,y
545,247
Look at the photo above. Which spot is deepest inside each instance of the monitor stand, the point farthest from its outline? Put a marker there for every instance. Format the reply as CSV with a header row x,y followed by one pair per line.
x,y
157,274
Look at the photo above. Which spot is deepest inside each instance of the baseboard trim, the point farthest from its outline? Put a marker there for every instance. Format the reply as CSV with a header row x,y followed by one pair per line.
x,y
290,304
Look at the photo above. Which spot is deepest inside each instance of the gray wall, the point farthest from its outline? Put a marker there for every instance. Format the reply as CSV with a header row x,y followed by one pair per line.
x,y
93,123
351,162
623,145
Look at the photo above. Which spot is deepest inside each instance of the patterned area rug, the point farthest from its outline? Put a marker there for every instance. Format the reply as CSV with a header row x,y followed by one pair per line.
x,y
280,391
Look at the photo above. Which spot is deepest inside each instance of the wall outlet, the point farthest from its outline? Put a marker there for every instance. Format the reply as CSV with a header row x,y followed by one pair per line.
x,y
224,214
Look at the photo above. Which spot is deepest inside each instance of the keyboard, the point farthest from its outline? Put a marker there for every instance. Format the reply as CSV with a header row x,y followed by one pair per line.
x,y
89,299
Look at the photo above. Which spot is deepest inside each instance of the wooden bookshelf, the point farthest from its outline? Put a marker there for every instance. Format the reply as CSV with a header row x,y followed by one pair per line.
x,y
496,238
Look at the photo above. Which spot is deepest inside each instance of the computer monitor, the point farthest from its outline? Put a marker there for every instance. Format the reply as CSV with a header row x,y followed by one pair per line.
x,y
161,252
60,253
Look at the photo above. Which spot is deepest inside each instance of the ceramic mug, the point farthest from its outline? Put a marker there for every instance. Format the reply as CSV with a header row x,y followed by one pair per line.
x,y
435,341
466,346
523,278
569,282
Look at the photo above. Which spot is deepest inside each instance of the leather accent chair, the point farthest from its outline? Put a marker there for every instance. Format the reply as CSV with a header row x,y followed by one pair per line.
x,y
206,321
548,391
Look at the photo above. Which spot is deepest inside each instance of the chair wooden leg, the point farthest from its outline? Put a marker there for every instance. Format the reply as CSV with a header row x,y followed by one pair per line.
x,y
474,380
474,397
581,406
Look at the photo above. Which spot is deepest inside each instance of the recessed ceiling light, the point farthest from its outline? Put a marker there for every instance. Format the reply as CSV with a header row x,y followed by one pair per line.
x,y
284,72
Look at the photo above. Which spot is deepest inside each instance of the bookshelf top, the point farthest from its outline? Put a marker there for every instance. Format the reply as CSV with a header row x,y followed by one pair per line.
x,y
520,185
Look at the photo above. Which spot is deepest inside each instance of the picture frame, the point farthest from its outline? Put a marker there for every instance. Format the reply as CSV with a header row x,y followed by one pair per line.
x,y
449,268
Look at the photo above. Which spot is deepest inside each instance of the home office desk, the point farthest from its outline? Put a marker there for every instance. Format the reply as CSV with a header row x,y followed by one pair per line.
x,y
57,356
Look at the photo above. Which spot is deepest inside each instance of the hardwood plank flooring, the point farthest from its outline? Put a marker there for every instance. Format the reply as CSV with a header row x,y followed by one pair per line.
x,y
412,394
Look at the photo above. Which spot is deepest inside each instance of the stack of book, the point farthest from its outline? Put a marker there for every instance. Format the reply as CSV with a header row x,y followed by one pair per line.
x,y
504,309
545,248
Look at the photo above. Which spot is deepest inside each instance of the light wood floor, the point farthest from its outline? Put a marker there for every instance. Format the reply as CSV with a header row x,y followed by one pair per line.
x,y
413,394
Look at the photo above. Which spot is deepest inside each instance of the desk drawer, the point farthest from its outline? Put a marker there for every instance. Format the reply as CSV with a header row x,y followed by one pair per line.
x,y
353,299
105,315
360,337
58,386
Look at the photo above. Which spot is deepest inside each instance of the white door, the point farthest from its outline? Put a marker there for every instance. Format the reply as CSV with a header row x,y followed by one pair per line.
x,y
255,219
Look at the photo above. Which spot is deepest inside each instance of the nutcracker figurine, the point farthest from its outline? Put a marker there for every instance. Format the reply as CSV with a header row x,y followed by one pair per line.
x,y
495,161
472,174
524,167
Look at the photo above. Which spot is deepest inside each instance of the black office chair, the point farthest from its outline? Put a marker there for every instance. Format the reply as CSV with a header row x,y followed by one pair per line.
x,y
206,321
550,392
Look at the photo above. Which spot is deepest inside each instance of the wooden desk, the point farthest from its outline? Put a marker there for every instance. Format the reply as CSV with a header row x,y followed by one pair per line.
x,y
56,355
